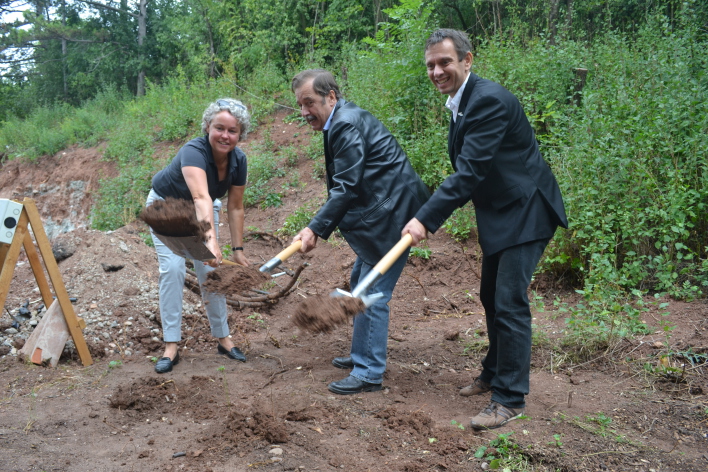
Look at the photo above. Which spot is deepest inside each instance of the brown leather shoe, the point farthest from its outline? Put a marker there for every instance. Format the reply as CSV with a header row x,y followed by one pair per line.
x,y
478,387
494,416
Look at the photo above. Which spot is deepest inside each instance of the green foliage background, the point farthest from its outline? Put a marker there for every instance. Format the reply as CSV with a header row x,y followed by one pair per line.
x,y
629,151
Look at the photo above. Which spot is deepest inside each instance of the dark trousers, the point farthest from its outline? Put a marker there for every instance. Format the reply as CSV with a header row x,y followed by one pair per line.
x,y
506,276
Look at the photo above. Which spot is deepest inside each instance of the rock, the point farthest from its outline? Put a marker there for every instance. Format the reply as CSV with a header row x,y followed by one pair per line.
x,y
62,250
4,350
123,247
11,331
276,451
452,335
130,291
484,466
112,266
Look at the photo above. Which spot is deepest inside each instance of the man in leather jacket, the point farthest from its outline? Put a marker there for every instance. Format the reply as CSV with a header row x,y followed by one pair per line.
x,y
372,192
518,206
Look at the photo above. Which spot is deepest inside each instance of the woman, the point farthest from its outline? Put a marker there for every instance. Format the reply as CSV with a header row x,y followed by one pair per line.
x,y
204,170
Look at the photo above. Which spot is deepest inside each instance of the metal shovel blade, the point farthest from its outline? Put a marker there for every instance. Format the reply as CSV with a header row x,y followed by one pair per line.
x,y
280,258
187,246
367,299
377,271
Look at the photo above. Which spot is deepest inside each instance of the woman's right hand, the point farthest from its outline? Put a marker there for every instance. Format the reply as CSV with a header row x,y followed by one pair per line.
x,y
213,246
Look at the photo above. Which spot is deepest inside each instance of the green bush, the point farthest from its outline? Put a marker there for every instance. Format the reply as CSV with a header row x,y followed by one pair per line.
x,y
462,223
632,165
120,200
298,220
263,165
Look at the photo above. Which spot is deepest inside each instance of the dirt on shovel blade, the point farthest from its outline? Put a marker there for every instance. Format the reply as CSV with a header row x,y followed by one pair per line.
x,y
230,279
175,217
324,313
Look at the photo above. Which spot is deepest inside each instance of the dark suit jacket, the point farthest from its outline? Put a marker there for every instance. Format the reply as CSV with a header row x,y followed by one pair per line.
x,y
373,190
499,167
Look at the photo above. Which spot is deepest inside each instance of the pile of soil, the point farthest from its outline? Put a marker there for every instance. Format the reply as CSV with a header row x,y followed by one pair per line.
x,y
175,217
322,314
231,279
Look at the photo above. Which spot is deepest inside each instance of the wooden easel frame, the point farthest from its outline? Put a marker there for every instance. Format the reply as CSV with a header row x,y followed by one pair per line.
x,y
8,258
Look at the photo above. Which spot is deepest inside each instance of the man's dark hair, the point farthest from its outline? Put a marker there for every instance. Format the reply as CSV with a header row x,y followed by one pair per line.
x,y
459,40
323,82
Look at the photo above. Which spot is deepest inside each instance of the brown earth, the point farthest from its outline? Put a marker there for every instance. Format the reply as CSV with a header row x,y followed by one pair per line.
x,y
323,313
231,279
617,411
175,217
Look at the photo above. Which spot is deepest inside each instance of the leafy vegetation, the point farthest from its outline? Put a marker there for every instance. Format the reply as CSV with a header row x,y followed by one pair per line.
x,y
298,219
503,453
629,149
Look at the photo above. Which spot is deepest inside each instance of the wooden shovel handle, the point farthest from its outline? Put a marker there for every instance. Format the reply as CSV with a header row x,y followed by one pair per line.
x,y
289,251
392,256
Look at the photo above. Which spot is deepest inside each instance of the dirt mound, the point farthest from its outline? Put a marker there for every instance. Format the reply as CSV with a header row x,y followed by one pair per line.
x,y
175,217
322,314
415,421
232,279
246,422
148,393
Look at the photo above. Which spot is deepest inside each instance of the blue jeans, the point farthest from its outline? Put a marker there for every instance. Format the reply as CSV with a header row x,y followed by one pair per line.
x,y
506,276
370,336
171,284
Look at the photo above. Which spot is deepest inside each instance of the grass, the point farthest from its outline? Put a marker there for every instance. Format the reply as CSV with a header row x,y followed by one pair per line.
x,y
504,453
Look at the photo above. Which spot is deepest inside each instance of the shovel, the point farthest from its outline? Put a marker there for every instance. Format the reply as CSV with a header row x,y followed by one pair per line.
x,y
190,247
280,258
379,269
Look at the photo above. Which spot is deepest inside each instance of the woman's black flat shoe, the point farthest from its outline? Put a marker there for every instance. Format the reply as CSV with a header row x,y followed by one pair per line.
x,y
235,353
165,364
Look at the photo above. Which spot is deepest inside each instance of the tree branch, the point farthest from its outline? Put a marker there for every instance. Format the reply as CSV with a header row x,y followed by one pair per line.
x,y
108,7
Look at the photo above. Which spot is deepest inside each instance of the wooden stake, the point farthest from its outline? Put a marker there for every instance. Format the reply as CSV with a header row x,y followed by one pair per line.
x,y
8,258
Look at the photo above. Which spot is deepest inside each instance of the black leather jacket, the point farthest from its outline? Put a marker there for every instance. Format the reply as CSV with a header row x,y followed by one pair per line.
x,y
373,189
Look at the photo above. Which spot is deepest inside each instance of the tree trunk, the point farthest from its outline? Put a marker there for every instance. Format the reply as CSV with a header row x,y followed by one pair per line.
x,y
552,25
142,32
212,53
454,6
569,19
63,51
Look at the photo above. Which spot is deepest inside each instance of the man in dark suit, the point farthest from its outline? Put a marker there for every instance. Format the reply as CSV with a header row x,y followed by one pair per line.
x,y
518,205
372,192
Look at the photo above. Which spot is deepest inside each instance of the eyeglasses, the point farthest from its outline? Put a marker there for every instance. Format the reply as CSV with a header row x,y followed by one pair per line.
x,y
228,104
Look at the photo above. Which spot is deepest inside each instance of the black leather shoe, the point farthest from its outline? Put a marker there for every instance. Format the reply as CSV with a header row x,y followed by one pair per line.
x,y
343,363
165,364
352,385
235,353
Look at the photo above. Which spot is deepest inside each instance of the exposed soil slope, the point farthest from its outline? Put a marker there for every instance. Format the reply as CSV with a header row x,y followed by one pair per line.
x,y
274,412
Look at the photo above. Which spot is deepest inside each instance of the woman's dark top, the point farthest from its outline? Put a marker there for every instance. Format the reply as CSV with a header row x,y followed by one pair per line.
x,y
169,182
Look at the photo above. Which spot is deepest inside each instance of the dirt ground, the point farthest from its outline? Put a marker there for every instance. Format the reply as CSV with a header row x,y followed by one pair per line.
x,y
274,412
